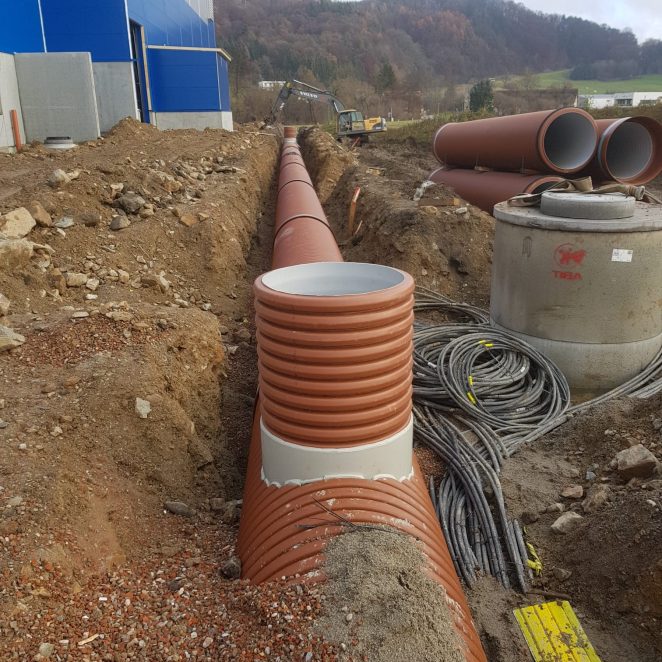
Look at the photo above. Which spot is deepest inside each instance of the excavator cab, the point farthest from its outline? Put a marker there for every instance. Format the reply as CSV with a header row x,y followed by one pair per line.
x,y
351,123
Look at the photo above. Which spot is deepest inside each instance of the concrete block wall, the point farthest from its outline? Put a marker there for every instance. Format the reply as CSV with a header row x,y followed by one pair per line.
x,y
58,95
9,100
116,93
192,120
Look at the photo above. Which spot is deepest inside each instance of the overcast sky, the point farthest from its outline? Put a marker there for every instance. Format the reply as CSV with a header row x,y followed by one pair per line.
x,y
644,17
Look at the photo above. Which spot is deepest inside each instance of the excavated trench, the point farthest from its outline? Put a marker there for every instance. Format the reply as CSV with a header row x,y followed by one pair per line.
x,y
447,246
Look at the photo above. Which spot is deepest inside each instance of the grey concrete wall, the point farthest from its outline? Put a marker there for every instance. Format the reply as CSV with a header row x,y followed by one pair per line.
x,y
200,121
57,95
116,93
9,100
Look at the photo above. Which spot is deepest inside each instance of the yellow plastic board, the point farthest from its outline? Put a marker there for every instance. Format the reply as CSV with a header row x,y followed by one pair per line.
x,y
554,634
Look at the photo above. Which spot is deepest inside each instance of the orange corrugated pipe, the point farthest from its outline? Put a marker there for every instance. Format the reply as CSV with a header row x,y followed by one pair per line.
x,y
332,433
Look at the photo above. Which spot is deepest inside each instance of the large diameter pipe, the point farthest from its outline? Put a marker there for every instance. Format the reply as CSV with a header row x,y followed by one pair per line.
x,y
334,346
486,188
629,151
561,141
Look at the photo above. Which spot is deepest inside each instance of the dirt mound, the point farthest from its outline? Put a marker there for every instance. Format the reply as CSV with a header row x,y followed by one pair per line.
x,y
131,128
611,562
447,247
326,160
379,603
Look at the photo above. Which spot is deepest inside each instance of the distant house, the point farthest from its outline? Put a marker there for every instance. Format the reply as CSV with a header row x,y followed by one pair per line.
x,y
76,67
512,102
620,99
270,84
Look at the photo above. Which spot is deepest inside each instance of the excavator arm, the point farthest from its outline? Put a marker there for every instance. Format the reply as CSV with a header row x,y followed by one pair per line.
x,y
304,91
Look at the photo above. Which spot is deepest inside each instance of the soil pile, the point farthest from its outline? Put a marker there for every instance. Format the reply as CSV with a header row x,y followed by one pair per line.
x,y
445,246
610,562
380,605
125,401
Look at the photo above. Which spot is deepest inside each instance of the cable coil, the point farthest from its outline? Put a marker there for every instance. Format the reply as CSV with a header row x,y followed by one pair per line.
x,y
479,394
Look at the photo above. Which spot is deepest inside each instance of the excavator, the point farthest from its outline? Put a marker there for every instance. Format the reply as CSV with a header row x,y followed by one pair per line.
x,y
350,124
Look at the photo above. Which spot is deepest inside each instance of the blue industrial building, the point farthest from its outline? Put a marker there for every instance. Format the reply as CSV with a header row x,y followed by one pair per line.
x,y
155,60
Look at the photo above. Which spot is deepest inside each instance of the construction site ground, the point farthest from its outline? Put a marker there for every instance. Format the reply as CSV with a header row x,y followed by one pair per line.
x,y
125,414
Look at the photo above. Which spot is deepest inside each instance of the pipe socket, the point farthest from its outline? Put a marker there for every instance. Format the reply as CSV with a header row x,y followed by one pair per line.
x,y
629,151
322,326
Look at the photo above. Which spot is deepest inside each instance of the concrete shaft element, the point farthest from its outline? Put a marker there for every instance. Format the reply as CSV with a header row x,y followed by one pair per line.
x,y
629,151
584,292
332,431
485,188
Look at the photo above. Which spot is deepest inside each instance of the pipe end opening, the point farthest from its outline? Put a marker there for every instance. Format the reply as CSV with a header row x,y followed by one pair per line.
x,y
570,141
629,152
333,279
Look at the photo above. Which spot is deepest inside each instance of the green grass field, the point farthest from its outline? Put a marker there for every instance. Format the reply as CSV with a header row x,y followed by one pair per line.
x,y
650,83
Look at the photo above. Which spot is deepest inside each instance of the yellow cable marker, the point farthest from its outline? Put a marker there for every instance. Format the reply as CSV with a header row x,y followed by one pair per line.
x,y
534,562
554,634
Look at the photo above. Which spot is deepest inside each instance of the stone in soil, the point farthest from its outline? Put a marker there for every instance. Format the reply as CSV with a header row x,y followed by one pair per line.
x,y
46,650
231,569
529,516
89,219
572,492
143,407
17,223
596,498
64,223
188,219
75,279
9,339
15,253
179,508
58,178
562,574
119,222
40,215
635,462
4,305
566,522
130,202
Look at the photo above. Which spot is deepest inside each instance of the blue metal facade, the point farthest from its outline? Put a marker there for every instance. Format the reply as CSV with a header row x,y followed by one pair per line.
x,y
98,26
180,80
184,80
172,23
20,27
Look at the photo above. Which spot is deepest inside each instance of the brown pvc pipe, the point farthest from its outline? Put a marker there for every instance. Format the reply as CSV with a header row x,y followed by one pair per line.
x,y
485,188
333,370
629,151
561,141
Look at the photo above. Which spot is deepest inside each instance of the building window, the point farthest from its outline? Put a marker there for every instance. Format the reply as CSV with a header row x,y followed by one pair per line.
x,y
623,102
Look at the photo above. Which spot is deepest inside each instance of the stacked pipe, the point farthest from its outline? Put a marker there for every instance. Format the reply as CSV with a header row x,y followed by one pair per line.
x,y
332,434
490,160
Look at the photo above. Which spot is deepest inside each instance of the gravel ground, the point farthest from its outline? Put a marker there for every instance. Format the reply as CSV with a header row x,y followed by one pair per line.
x,y
173,605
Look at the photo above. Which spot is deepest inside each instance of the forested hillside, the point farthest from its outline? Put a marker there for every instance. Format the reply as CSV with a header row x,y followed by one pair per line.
x,y
369,47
